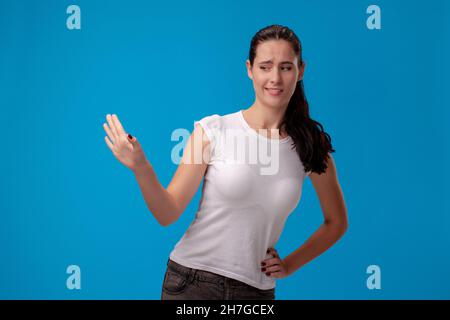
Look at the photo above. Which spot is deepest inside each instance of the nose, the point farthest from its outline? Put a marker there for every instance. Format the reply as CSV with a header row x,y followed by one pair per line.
x,y
275,76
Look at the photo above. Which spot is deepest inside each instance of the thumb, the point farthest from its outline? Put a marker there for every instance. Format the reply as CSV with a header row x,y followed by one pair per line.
x,y
134,141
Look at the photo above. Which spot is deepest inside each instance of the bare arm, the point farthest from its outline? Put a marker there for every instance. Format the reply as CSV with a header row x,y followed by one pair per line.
x,y
335,219
165,204
168,204
160,202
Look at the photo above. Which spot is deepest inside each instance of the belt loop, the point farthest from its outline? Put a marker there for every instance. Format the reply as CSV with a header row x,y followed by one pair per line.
x,y
191,276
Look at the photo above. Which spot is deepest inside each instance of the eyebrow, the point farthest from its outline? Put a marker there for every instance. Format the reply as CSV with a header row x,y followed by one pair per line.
x,y
270,61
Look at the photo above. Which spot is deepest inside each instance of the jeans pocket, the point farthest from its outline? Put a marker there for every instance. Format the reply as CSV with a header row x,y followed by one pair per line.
x,y
174,282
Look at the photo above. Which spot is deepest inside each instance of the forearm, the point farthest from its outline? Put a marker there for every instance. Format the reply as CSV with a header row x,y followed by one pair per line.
x,y
158,200
319,242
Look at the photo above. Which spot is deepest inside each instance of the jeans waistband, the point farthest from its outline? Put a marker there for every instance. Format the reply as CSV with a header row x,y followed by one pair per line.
x,y
203,275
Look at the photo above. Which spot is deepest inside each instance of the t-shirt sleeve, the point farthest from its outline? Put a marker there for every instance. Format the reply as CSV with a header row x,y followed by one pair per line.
x,y
211,127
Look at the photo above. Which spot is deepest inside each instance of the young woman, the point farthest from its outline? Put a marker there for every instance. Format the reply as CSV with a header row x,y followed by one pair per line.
x,y
228,250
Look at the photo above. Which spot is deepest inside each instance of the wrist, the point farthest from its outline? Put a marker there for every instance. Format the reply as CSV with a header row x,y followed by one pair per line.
x,y
288,268
141,167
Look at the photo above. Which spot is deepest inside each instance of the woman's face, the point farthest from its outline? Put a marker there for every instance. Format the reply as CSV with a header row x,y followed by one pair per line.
x,y
275,73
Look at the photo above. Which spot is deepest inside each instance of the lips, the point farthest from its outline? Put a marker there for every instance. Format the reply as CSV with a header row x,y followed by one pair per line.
x,y
274,91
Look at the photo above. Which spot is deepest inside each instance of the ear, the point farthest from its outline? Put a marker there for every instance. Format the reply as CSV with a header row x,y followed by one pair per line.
x,y
301,70
249,69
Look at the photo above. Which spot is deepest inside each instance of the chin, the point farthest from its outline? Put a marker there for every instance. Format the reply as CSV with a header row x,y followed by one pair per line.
x,y
274,105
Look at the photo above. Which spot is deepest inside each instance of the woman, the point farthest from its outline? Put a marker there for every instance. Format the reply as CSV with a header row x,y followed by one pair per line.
x,y
228,251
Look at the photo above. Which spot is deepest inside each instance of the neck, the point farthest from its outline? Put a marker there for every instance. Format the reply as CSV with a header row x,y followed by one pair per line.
x,y
260,116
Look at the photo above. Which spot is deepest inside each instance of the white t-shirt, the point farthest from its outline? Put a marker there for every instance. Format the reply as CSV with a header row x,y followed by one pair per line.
x,y
244,205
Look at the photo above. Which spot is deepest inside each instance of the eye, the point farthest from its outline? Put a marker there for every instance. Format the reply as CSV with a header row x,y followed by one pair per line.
x,y
283,68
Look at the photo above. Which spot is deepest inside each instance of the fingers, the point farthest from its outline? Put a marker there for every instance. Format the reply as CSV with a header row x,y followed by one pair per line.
x,y
112,127
109,143
118,125
272,269
109,132
111,147
269,262
273,252
277,274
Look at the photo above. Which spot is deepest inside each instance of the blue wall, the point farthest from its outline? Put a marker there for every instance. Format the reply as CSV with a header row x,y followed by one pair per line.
x,y
64,199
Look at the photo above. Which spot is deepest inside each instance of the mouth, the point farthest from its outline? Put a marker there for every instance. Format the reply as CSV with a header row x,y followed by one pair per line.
x,y
274,91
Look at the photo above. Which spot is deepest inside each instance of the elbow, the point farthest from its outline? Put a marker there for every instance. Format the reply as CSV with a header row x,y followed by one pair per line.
x,y
341,227
169,215
167,219
164,222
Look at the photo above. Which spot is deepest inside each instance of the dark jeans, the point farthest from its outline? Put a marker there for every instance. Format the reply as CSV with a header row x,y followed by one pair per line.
x,y
182,283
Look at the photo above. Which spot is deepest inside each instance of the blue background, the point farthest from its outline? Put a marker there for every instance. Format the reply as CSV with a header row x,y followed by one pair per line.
x,y
65,199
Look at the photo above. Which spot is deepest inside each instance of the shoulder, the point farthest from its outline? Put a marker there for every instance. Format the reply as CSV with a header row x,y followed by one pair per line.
x,y
214,123
209,121
209,125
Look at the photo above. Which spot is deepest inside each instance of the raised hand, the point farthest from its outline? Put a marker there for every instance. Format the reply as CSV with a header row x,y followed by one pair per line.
x,y
125,148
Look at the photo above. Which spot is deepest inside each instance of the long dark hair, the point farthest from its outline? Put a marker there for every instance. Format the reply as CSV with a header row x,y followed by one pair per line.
x,y
311,142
